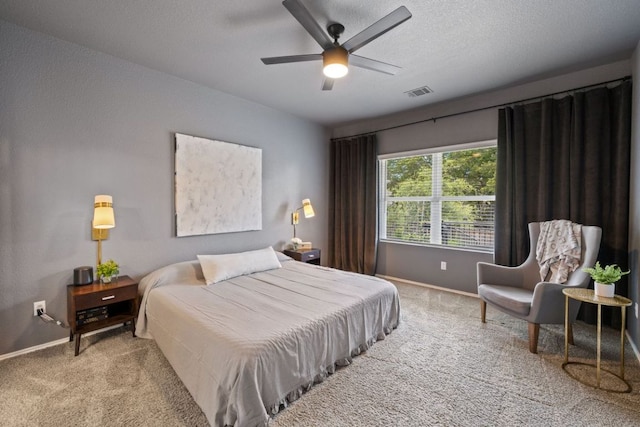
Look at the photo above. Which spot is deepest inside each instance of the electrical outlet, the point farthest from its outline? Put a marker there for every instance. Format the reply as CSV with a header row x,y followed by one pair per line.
x,y
39,305
443,265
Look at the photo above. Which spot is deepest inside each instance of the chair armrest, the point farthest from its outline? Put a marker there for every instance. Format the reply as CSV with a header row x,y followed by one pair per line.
x,y
493,274
548,304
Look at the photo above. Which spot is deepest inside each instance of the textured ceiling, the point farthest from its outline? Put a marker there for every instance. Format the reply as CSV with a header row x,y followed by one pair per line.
x,y
456,47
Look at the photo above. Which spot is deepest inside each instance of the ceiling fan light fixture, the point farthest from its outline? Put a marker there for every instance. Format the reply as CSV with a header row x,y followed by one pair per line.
x,y
335,56
335,62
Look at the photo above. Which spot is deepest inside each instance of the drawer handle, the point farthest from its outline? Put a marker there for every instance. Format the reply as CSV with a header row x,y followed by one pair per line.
x,y
109,297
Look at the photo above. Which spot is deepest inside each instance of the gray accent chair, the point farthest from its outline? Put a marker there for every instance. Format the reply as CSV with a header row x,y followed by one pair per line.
x,y
519,292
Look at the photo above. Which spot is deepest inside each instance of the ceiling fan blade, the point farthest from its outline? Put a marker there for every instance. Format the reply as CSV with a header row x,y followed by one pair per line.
x,y
327,84
373,65
377,29
292,58
304,17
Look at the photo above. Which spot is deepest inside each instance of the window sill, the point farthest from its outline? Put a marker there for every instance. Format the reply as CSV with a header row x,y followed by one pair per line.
x,y
428,245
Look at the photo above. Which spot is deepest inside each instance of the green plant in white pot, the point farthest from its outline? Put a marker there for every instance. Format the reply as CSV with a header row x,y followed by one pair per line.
x,y
107,271
605,278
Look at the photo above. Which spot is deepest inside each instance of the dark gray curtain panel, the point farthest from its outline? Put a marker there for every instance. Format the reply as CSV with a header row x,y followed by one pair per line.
x,y
565,158
353,204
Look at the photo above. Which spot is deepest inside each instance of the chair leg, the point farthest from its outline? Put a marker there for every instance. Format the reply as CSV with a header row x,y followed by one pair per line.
x,y
570,334
483,311
534,331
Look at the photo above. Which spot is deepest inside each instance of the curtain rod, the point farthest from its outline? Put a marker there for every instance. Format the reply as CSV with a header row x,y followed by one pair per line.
x,y
621,79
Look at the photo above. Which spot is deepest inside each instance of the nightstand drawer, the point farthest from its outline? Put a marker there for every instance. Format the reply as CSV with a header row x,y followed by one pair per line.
x,y
309,255
312,256
105,297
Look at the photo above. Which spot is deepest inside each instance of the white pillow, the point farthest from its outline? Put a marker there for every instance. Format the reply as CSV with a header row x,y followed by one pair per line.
x,y
217,268
282,257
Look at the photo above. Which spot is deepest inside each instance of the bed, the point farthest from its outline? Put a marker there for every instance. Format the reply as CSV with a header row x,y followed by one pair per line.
x,y
247,345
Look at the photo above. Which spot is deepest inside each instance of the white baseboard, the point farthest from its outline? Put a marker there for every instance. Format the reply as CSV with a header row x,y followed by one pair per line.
x,y
50,344
633,346
426,285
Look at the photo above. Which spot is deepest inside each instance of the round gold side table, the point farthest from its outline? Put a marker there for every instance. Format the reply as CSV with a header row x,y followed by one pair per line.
x,y
589,296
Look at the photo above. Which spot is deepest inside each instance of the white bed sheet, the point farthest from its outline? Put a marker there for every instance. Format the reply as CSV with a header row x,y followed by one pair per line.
x,y
246,345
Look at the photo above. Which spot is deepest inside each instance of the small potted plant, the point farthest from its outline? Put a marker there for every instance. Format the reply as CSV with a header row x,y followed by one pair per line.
x,y
107,271
605,278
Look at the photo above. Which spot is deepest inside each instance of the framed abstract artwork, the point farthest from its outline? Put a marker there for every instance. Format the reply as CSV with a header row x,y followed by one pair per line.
x,y
218,186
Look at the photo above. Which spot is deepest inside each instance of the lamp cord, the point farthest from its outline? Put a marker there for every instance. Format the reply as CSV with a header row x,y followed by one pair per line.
x,y
45,317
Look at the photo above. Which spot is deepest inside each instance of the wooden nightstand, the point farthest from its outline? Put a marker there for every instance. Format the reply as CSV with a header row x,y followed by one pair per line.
x,y
96,306
312,256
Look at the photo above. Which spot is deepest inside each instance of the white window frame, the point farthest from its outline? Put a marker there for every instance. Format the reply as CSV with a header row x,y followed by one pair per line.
x,y
435,199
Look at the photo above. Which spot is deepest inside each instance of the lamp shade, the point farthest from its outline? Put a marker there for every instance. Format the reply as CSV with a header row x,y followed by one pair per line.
x,y
308,209
335,62
103,212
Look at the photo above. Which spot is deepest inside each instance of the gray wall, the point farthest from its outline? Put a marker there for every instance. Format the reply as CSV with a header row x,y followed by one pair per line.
x,y
75,123
422,264
634,214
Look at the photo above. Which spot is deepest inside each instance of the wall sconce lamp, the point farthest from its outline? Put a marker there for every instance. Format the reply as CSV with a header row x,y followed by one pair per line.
x,y
103,220
307,209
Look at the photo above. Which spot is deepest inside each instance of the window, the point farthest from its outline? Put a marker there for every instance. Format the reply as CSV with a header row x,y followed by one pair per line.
x,y
440,197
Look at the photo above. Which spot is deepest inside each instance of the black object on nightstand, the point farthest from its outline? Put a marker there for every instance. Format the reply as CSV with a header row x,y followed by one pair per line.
x,y
96,306
311,256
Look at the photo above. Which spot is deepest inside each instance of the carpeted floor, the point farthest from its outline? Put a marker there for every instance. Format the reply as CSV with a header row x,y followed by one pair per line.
x,y
441,367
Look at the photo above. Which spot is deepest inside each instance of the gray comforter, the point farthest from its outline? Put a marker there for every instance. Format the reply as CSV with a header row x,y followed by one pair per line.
x,y
247,345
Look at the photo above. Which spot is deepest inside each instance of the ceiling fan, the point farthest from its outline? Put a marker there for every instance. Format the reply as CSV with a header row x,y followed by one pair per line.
x,y
336,57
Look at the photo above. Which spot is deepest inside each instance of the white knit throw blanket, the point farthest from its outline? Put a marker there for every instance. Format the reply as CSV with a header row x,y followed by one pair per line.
x,y
559,249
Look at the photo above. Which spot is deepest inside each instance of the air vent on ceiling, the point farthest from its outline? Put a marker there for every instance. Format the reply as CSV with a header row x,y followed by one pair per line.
x,y
419,91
